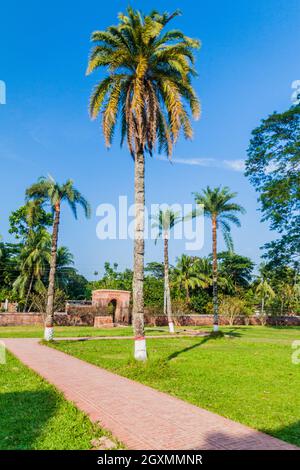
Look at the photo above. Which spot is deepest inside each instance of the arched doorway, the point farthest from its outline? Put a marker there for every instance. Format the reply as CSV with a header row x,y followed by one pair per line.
x,y
111,309
117,300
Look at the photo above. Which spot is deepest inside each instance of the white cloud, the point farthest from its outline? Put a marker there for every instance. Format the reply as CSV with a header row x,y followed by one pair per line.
x,y
235,165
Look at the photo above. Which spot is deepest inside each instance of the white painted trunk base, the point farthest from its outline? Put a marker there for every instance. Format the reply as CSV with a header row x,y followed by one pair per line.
x,y
140,351
216,327
48,333
171,327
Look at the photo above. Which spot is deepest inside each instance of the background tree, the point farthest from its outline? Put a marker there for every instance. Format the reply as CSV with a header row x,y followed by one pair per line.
x,y
148,86
50,192
155,269
263,289
9,269
164,221
187,275
273,166
34,260
28,218
218,206
68,280
237,269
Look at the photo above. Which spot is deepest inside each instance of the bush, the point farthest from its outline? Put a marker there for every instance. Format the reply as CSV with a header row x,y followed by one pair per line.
x,y
232,307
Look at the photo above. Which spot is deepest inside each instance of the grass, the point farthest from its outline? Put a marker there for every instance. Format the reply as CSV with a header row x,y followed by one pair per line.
x,y
73,331
246,375
34,415
80,331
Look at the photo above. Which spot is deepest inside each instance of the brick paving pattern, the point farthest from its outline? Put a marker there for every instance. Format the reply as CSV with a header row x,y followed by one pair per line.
x,y
137,415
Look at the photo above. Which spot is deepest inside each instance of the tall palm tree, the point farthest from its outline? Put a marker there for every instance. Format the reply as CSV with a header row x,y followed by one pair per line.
x,y
50,192
218,206
164,221
188,274
148,87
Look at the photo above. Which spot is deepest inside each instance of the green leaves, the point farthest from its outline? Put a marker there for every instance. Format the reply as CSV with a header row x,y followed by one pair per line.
x,y
273,166
154,96
218,202
48,191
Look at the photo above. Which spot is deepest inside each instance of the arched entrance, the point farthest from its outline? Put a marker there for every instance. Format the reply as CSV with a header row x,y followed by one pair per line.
x,y
118,300
111,309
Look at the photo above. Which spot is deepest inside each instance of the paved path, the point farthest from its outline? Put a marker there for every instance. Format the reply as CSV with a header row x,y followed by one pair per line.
x,y
139,416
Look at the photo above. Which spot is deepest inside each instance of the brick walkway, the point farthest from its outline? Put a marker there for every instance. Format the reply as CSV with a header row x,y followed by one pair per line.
x,y
140,417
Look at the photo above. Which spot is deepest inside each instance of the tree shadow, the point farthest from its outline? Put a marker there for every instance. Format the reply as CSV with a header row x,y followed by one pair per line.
x,y
212,337
233,333
289,433
250,439
23,416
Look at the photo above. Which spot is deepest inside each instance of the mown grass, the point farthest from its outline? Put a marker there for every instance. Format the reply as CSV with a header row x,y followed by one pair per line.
x,y
34,415
247,375
73,331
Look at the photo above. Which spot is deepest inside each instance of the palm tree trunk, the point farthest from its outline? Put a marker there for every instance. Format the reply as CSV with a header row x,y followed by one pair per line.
x,y
263,305
188,297
51,286
215,272
167,295
140,352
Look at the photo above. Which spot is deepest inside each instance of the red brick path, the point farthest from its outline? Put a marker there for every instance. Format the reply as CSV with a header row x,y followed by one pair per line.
x,y
140,417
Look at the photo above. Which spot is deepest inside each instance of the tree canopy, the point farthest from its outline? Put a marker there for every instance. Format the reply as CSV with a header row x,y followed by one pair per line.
x,y
273,166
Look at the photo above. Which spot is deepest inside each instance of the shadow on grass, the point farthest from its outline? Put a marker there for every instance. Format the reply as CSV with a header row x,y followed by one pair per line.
x,y
252,440
23,416
289,433
212,337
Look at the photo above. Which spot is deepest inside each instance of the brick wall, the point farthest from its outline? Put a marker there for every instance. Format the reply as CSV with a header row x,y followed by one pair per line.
x,y
101,321
85,318
207,320
18,319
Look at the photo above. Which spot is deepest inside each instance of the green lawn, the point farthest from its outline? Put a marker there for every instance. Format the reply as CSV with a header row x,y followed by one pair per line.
x,y
80,331
33,415
247,375
72,331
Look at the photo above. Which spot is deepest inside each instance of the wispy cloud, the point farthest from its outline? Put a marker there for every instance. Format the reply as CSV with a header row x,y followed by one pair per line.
x,y
234,165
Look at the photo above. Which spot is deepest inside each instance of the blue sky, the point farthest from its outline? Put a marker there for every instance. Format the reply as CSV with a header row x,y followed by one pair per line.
x,y
248,60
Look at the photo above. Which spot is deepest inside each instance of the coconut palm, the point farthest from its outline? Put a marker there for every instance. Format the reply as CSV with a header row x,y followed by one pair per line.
x,y
218,206
34,260
50,192
164,221
188,274
148,88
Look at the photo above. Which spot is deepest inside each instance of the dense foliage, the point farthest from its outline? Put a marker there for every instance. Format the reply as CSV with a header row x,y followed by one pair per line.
x,y
273,167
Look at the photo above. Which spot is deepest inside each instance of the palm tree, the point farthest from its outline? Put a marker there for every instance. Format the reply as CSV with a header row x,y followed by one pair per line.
x,y
218,206
263,289
50,192
148,87
64,266
34,259
188,274
164,221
